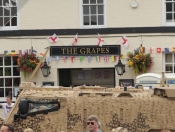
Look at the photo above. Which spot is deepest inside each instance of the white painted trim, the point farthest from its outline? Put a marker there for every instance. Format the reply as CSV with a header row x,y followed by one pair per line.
x,y
163,13
90,26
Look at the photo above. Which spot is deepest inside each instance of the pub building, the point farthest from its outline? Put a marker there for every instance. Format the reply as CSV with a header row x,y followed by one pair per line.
x,y
26,25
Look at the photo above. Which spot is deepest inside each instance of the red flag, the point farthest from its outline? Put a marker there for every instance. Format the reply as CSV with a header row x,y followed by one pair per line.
x,y
125,42
100,40
106,58
72,58
150,50
75,39
159,50
53,39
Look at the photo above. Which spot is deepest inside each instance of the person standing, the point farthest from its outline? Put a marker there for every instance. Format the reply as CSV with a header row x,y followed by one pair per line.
x,y
7,128
92,123
7,106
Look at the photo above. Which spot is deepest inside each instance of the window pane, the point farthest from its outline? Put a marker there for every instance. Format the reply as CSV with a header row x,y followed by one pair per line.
x,y
1,82
14,21
168,7
1,61
169,17
93,9
7,61
16,82
15,72
8,82
86,20
0,2
168,57
14,2
13,11
6,12
85,10
85,1
1,92
168,67
5,2
1,21
1,71
8,91
99,1
93,20
15,58
92,1
100,9
100,20
7,71
7,21
1,11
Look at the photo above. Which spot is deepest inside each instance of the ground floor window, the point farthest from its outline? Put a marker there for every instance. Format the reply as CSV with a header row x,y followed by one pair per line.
x,y
9,76
169,63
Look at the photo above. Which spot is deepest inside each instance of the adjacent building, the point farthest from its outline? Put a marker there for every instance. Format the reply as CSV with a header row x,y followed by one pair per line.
x,y
27,23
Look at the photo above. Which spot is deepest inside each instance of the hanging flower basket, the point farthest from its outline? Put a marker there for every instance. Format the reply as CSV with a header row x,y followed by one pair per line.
x,y
140,62
27,63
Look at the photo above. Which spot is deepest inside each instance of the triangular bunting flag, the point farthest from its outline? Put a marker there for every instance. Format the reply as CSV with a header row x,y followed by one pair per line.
x,y
159,50
166,50
6,52
34,51
81,58
56,58
89,58
72,59
124,41
13,52
150,50
64,58
106,58
173,49
41,54
100,40
98,58
113,58
20,52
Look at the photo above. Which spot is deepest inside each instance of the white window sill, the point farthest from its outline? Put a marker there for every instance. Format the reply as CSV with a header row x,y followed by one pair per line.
x,y
96,26
170,24
9,28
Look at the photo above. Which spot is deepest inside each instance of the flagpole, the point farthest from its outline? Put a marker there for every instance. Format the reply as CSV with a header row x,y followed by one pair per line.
x,y
61,43
118,41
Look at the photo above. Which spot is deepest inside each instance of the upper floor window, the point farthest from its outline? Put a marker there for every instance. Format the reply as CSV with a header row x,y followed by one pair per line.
x,y
93,13
169,62
8,14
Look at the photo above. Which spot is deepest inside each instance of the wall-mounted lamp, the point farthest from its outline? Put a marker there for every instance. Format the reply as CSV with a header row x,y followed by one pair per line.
x,y
45,69
134,4
120,68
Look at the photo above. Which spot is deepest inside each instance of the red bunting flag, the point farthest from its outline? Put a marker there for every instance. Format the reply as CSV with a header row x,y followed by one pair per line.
x,y
72,59
124,41
75,39
150,50
159,50
100,40
53,39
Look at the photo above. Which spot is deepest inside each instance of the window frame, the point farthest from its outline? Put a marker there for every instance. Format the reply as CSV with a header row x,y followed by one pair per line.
x,y
169,63
12,27
91,26
4,77
164,22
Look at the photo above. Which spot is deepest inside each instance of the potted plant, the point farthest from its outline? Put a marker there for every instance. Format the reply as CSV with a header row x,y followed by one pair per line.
x,y
27,63
140,62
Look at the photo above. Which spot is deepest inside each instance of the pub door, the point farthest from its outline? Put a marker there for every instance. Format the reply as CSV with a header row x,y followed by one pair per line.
x,y
65,77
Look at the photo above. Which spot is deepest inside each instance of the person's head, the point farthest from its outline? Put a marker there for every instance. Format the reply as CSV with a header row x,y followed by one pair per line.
x,y
8,99
92,123
7,128
120,129
28,130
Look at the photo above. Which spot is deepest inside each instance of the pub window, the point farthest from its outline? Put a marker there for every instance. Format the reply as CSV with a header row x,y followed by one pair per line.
x,y
8,14
169,62
93,13
9,75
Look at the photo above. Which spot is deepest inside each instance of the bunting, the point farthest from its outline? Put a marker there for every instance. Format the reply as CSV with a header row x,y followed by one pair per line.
x,y
113,58
81,58
150,50
49,59
124,41
64,58
89,58
13,52
57,58
159,50
75,39
166,50
100,40
72,59
42,54
20,52
53,39
98,58
34,51
6,52
106,58
173,49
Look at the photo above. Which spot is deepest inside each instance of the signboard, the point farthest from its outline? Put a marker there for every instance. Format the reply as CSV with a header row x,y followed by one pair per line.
x,y
85,50
126,82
